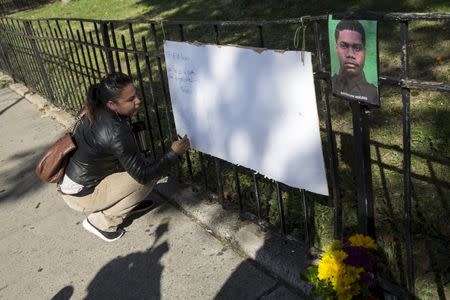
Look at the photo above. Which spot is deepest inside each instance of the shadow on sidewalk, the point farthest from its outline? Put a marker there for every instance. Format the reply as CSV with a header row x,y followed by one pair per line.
x,y
253,278
242,286
135,276
11,105
64,294
19,178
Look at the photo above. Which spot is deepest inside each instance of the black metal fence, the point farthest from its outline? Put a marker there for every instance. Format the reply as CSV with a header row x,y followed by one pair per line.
x,y
60,58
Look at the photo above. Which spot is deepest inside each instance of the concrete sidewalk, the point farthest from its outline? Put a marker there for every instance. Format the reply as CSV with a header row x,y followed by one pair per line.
x,y
46,254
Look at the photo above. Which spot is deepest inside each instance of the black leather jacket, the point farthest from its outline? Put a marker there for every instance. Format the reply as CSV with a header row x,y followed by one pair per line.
x,y
109,146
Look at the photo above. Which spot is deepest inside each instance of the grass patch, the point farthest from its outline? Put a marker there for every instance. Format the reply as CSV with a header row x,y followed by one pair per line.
x,y
4,83
220,10
88,9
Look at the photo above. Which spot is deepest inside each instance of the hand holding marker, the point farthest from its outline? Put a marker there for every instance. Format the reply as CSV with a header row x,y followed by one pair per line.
x,y
181,146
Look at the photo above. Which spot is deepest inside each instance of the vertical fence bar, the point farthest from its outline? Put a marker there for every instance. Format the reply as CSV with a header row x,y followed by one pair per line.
x,y
19,56
16,54
76,90
73,85
83,56
256,189
181,30
306,218
407,160
94,49
29,72
91,66
114,39
127,63
46,49
203,169
97,36
277,184
10,45
280,208
254,177
107,45
363,172
68,95
219,180
77,54
260,36
200,155
77,62
165,93
238,188
188,157
216,34
216,160
52,50
141,86
46,85
152,93
125,53
333,162
40,63
162,81
5,57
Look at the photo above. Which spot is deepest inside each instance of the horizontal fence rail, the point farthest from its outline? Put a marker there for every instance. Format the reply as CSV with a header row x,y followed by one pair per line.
x,y
61,58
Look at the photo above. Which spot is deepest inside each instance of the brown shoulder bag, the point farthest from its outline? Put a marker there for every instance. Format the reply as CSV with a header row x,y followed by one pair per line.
x,y
52,165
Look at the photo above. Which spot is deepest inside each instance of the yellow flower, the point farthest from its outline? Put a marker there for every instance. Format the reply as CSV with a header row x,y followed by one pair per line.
x,y
346,284
359,240
331,264
345,279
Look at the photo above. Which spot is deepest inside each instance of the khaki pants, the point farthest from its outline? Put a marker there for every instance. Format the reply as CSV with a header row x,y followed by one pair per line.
x,y
113,198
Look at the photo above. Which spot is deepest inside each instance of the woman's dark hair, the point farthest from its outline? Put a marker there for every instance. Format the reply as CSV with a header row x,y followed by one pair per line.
x,y
108,89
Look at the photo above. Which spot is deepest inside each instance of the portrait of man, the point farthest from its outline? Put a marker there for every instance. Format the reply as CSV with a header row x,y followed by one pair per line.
x,y
353,64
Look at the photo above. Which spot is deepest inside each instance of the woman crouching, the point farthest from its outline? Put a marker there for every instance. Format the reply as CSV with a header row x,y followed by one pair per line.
x,y
108,178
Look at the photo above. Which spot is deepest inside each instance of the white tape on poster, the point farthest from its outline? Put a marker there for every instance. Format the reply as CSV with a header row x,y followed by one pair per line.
x,y
252,108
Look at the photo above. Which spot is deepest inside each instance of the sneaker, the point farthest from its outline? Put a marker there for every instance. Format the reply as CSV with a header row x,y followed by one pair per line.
x,y
104,235
141,207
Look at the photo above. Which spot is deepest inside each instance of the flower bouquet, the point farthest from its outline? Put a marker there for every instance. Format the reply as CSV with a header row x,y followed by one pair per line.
x,y
346,270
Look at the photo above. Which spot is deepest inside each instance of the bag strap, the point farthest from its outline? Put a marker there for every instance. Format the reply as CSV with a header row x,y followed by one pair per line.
x,y
78,120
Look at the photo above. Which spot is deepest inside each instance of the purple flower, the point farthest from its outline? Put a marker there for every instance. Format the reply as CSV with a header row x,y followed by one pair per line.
x,y
369,279
360,257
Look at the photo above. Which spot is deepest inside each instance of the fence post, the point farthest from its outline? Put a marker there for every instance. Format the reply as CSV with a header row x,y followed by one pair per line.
x,y
107,45
363,171
37,54
407,185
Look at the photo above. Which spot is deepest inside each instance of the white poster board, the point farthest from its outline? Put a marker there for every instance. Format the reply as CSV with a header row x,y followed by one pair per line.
x,y
252,108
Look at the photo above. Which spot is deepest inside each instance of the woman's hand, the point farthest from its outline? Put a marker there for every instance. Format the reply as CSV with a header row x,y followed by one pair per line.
x,y
181,146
